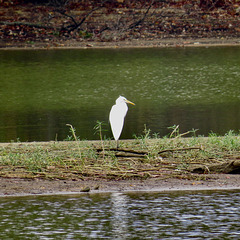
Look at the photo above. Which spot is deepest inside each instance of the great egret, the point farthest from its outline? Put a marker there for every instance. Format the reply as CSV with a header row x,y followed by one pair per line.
x,y
117,115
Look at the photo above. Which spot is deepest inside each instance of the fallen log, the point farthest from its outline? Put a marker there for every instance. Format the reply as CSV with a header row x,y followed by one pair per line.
x,y
230,167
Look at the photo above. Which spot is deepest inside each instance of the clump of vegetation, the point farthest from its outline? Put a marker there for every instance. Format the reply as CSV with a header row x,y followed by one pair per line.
x,y
143,157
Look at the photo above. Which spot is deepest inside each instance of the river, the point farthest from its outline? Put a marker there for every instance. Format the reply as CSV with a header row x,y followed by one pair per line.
x,y
139,215
43,90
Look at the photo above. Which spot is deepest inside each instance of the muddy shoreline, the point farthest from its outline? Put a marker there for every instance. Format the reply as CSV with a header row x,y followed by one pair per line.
x,y
160,43
23,187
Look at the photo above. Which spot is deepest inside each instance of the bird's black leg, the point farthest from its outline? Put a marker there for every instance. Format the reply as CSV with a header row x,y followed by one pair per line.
x,y
117,144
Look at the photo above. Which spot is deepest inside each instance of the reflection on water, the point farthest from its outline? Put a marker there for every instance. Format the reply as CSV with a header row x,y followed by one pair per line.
x,y
179,215
120,214
41,91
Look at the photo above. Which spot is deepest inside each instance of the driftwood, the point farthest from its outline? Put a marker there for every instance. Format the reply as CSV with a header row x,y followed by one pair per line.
x,y
124,152
231,167
138,152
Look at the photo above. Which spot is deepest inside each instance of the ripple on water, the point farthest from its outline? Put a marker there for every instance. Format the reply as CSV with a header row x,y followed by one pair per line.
x,y
180,215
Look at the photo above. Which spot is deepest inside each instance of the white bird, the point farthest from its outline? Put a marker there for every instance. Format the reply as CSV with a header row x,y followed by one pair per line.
x,y
117,115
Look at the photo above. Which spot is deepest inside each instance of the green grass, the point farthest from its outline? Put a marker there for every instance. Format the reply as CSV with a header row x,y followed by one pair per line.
x,y
83,159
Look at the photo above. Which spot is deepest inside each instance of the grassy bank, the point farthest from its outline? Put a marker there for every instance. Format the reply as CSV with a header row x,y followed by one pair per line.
x,y
143,157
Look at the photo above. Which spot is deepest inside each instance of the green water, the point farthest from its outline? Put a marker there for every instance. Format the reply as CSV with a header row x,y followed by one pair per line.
x,y
43,90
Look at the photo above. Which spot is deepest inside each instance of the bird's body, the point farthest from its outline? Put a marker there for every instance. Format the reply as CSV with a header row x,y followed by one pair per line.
x,y
117,115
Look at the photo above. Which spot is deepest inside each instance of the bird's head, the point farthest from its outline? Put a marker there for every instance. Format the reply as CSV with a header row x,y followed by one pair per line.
x,y
122,99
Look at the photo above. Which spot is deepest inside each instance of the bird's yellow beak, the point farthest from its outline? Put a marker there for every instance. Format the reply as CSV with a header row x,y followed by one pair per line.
x,y
127,101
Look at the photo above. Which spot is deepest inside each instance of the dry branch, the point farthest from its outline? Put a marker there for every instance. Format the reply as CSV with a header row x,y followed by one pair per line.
x,y
133,25
123,152
76,24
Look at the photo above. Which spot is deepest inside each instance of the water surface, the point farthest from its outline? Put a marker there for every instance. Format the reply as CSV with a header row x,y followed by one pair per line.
x,y
178,215
43,90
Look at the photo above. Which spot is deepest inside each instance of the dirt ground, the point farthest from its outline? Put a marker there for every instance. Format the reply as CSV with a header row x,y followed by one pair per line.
x,y
22,187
